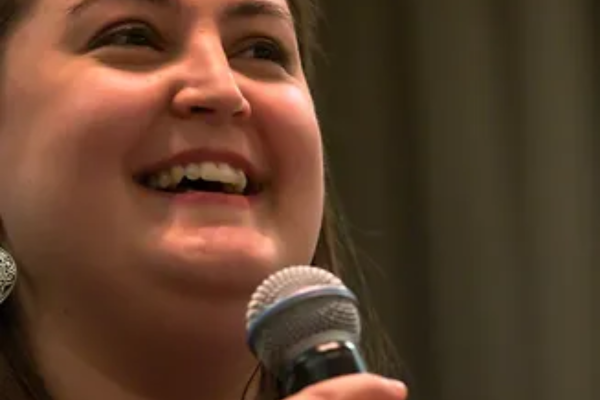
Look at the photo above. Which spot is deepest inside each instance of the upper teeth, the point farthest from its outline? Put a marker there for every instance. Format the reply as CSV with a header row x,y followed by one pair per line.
x,y
233,179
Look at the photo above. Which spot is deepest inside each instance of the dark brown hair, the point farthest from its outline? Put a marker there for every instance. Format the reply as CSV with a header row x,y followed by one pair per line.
x,y
18,377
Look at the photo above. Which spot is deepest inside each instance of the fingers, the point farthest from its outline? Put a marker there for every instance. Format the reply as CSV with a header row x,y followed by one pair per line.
x,y
354,387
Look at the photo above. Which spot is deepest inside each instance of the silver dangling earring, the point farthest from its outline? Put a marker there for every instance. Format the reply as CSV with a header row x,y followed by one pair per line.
x,y
8,274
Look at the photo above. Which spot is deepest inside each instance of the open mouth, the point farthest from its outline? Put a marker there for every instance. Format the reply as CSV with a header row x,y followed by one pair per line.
x,y
201,177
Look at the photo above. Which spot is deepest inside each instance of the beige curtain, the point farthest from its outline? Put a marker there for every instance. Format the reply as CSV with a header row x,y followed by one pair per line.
x,y
464,140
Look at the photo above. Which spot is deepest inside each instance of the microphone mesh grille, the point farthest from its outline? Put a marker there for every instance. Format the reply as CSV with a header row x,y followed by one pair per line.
x,y
304,324
285,283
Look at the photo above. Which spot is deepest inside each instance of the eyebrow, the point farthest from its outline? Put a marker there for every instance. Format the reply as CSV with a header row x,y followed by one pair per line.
x,y
257,8
238,10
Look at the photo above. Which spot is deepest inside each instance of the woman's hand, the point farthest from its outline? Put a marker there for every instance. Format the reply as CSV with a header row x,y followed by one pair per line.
x,y
354,387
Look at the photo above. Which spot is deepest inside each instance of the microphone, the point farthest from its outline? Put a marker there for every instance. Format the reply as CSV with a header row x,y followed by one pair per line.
x,y
303,325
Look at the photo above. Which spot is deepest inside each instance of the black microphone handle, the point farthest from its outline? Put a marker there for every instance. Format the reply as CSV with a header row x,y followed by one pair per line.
x,y
320,363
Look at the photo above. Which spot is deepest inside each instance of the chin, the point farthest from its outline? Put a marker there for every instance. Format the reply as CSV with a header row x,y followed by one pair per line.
x,y
220,259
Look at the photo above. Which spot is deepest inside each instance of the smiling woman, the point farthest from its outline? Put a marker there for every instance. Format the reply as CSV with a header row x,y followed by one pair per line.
x,y
163,158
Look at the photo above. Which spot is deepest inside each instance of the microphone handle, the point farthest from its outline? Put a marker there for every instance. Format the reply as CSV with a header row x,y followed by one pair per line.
x,y
320,363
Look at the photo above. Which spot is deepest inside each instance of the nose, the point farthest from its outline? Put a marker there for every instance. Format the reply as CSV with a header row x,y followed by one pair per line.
x,y
208,87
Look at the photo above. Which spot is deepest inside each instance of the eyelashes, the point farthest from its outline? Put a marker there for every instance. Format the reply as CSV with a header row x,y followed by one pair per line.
x,y
130,34
263,49
138,35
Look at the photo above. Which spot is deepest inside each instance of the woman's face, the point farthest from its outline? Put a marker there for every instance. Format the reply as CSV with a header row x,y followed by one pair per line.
x,y
156,148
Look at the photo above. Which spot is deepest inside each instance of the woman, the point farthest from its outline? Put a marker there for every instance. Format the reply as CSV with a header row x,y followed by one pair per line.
x,y
159,159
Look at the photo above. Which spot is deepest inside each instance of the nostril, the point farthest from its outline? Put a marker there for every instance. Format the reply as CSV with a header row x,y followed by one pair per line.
x,y
200,110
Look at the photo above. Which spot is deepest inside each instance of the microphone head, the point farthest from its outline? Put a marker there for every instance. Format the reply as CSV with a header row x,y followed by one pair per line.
x,y
296,309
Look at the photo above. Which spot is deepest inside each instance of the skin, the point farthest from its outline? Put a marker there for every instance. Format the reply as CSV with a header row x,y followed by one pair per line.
x,y
110,270
127,294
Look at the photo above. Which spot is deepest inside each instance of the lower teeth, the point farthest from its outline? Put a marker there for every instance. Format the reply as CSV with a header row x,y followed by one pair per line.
x,y
196,186
230,189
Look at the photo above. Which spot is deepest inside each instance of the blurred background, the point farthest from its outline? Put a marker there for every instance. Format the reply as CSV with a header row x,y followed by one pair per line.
x,y
464,138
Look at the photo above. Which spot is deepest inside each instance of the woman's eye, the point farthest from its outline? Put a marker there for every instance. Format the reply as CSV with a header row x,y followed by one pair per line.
x,y
132,35
265,50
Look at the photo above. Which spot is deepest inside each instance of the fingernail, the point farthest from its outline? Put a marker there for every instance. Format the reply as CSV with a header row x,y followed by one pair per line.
x,y
399,386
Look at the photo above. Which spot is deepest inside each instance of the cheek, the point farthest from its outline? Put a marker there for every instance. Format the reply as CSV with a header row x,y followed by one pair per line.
x,y
81,128
292,136
72,130
92,108
62,150
108,113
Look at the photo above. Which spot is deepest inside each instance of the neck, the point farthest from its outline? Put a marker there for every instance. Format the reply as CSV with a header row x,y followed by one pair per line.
x,y
71,377
171,361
